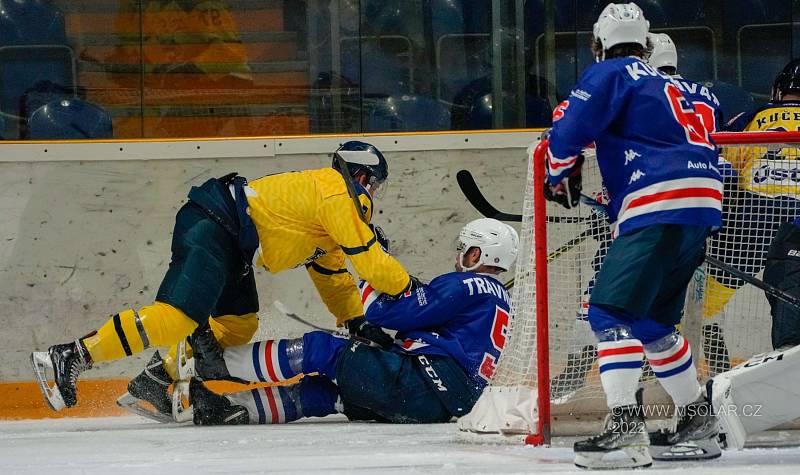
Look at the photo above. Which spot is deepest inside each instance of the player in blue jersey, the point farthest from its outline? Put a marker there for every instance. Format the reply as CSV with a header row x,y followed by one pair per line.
x,y
658,166
449,337
663,56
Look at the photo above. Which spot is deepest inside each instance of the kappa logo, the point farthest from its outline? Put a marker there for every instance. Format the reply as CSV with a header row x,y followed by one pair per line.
x,y
631,155
636,175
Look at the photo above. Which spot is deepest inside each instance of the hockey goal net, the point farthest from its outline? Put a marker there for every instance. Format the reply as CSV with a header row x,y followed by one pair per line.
x,y
547,382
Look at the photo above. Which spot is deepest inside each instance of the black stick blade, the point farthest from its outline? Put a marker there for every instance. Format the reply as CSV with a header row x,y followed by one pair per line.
x,y
470,189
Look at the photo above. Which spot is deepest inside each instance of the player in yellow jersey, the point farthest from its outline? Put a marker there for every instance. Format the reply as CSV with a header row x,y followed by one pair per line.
x,y
761,193
312,218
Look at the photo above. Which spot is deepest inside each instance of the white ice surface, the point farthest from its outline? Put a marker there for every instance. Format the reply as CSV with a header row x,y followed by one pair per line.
x,y
130,445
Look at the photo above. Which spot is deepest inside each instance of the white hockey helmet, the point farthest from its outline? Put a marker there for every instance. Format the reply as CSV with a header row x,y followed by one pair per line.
x,y
664,54
499,243
621,23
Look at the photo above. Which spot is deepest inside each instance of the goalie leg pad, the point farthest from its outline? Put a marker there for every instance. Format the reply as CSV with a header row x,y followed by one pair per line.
x,y
757,395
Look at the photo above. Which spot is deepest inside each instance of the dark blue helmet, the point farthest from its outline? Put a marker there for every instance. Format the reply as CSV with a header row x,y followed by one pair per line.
x,y
366,158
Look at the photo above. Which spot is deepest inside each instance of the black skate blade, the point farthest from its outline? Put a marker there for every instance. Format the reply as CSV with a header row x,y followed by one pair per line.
x,y
632,457
140,408
40,361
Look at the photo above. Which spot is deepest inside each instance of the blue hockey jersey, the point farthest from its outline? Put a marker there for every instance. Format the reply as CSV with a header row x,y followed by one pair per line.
x,y
656,158
705,103
461,314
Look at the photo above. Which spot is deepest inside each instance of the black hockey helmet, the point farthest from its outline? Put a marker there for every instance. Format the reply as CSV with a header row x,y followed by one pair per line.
x,y
788,80
366,158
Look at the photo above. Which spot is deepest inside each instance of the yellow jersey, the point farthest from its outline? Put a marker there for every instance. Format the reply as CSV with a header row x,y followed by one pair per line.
x,y
770,170
308,218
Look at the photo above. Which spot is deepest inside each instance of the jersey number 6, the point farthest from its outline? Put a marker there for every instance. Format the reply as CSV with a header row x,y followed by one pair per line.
x,y
685,115
499,336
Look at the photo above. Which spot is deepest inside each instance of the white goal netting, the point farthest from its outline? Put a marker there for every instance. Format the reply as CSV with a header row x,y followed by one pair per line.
x,y
726,320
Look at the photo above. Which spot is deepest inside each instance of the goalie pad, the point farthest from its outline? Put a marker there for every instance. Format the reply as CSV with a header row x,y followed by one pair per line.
x,y
502,410
757,395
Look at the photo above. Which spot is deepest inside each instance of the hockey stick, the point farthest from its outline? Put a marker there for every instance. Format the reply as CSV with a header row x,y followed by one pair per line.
x,y
285,310
473,194
767,288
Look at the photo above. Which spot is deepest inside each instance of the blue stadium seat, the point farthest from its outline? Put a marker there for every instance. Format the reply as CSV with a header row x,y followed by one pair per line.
x,y
24,69
322,116
69,119
408,113
479,116
31,22
381,66
473,106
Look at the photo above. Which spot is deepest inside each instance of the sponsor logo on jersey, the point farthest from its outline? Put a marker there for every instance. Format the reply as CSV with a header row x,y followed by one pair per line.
x,y
580,94
776,172
698,165
422,300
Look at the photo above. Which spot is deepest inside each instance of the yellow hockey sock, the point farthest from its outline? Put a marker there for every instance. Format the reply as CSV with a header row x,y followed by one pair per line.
x,y
130,332
717,296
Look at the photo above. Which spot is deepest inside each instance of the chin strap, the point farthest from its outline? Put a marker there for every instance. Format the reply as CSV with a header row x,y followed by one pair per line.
x,y
465,268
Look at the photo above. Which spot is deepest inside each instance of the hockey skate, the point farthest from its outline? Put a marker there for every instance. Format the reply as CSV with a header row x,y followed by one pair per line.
x,y
702,449
624,434
209,360
694,436
66,361
212,409
150,386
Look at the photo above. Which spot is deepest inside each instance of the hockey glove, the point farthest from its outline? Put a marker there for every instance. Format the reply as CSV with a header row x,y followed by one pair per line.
x,y
381,237
568,192
359,327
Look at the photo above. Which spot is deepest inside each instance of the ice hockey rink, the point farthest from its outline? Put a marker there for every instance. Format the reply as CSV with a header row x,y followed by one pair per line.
x,y
131,445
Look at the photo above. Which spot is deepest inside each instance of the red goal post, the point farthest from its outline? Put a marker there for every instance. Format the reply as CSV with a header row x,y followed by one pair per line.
x,y
546,382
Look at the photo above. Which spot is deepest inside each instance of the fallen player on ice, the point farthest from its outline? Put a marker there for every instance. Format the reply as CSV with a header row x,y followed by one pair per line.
x,y
449,337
